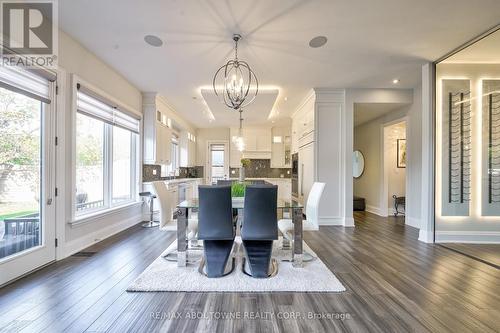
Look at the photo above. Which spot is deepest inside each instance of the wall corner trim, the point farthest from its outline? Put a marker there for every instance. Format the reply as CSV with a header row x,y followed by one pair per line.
x,y
425,236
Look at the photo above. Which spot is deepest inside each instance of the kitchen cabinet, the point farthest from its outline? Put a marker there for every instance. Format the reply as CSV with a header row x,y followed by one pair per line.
x,y
303,124
281,147
235,158
187,149
257,145
157,134
306,171
157,144
284,187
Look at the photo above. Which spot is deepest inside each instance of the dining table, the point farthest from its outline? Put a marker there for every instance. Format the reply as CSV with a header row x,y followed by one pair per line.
x,y
293,207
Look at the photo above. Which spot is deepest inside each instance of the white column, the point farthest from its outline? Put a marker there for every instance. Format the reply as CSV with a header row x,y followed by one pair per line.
x,y
426,233
333,147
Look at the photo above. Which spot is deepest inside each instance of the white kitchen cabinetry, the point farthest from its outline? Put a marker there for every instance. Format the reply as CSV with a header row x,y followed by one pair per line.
x,y
235,158
303,124
257,145
157,135
157,144
281,147
284,187
306,171
187,149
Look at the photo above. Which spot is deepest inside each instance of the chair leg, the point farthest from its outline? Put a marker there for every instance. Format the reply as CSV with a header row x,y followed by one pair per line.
x,y
286,244
217,253
258,254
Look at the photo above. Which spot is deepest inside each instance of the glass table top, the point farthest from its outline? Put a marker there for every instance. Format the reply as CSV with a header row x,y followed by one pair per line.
x,y
240,204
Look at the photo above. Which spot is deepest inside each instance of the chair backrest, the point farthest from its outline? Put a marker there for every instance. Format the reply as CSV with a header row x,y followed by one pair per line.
x,y
224,182
165,202
215,214
260,220
312,205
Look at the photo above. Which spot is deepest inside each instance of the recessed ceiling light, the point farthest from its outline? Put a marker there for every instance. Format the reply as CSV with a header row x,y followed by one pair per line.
x,y
153,40
395,81
318,41
286,99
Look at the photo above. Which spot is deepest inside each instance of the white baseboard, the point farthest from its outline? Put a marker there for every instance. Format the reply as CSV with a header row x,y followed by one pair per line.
x,y
375,210
348,222
478,237
331,220
335,220
412,222
81,243
425,236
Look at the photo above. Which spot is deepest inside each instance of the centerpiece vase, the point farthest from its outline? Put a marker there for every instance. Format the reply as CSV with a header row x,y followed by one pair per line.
x,y
242,174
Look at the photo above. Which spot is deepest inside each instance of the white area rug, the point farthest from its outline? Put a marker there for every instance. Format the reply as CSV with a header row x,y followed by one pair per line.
x,y
163,275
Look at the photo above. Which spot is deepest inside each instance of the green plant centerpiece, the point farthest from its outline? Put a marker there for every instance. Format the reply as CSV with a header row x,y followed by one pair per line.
x,y
244,163
238,189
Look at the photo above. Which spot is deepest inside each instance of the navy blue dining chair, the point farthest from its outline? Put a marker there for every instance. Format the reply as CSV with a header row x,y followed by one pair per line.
x,y
216,229
259,230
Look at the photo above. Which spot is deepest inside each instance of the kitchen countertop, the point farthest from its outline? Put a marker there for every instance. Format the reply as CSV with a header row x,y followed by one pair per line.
x,y
177,180
262,178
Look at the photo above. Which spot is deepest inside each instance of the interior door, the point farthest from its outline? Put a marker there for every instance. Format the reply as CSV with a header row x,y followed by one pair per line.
x,y
27,172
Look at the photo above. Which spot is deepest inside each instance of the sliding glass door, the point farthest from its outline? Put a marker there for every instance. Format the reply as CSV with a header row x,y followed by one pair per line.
x,y
27,223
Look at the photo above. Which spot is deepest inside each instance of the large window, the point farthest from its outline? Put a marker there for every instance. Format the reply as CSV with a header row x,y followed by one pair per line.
x,y
106,155
90,134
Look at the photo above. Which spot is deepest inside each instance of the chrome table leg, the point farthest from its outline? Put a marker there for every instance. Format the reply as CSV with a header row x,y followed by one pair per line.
x,y
297,237
182,223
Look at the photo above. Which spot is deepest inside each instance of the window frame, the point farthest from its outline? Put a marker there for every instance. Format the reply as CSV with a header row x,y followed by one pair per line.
x,y
135,170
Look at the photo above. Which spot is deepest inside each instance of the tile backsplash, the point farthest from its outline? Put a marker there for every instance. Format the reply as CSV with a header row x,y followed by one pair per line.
x,y
152,172
261,168
258,168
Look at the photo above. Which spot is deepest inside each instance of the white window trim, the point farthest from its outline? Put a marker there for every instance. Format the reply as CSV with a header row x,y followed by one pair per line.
x,y
90,217
135,168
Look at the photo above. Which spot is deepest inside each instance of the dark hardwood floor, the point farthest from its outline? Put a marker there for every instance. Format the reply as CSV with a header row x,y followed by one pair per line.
x,y
488,253
394,284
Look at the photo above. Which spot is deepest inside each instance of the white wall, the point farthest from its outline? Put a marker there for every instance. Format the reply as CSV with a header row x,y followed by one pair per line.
x,y
208,134
394,177
75,59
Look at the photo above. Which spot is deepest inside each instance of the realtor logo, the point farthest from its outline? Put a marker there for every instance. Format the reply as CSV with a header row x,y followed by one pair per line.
x,y
29,33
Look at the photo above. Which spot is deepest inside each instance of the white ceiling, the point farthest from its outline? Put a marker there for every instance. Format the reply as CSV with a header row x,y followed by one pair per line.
x,y
254,114
364,112
369,42
486,51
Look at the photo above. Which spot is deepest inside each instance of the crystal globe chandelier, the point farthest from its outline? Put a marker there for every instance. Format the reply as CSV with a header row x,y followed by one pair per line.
x,y
234,82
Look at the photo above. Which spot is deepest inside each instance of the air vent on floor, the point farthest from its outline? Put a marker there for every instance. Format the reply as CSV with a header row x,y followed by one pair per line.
x,y
84,254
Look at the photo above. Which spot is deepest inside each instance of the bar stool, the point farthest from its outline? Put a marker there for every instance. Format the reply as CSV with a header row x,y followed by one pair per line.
x,y
152,223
